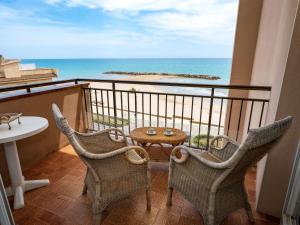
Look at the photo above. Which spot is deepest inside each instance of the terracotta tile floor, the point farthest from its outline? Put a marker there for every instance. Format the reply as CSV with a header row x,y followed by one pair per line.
x,y
62,203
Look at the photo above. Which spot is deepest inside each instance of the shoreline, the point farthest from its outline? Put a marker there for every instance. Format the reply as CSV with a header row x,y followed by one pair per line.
x,y
167,75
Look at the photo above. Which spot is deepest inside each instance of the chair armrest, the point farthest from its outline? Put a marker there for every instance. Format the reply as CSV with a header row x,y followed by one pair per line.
x,y
199,170
226,151
101,141
106,131
123,154
125,150
189,153
228,139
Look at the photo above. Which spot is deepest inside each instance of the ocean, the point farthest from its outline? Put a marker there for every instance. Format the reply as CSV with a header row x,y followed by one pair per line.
x,y
93,68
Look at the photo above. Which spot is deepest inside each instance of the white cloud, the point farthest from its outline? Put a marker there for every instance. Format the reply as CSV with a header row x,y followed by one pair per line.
x,y
20,37
141,5
210,20
212,24
52,36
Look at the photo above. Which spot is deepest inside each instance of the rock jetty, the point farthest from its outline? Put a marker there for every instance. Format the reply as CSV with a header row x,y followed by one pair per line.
x,y
199,76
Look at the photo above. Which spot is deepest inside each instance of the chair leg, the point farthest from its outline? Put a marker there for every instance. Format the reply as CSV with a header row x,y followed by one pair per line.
x,y
169,198
207,222
249,212
84,189
148,198
247,207
97,218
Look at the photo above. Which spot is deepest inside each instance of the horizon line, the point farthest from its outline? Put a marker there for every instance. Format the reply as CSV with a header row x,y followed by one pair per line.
x,y
131,58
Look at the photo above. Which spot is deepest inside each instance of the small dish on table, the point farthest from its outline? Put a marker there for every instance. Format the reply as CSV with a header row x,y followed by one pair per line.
x,y
168,132
151,131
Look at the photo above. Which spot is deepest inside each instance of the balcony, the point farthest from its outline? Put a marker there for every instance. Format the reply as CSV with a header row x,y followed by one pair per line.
x,y
91,105
62,202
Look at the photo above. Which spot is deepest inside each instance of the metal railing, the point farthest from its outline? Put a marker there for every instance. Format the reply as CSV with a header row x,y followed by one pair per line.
x,y
201,116
209,113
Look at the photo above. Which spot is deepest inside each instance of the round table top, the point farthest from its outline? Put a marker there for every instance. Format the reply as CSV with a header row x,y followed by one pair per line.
x,y
140,135
30,125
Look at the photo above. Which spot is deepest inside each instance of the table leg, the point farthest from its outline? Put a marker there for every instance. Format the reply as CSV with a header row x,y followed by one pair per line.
x,y
142,144
34,184
132,141
148,147
19,197
18,184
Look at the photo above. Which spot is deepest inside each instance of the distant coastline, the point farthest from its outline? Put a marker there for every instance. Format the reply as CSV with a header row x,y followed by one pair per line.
x,y
198,76
94,68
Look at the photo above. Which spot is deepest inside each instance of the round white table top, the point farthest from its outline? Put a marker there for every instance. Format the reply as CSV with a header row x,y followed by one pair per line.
x,y
30,125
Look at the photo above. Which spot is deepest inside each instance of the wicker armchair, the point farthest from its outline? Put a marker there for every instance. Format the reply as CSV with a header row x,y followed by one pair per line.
x,y
213,181
114,169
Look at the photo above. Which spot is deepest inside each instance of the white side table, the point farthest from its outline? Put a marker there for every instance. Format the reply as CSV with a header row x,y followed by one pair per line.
x,y
29,126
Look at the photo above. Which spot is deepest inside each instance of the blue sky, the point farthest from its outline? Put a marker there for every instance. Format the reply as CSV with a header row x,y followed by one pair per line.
x,y
117,28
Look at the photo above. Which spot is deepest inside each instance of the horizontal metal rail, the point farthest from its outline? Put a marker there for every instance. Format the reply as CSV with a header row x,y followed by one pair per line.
x,y
216,86
28,87
187,95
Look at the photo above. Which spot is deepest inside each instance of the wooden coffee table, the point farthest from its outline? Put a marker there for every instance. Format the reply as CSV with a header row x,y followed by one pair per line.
x,y
140,136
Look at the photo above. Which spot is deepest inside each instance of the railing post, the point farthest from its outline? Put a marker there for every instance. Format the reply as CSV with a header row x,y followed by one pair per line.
x,y
115,107
28,90
114,103
135,109
210,115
